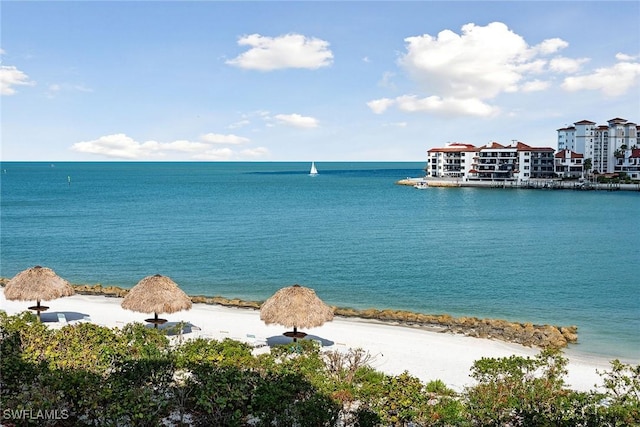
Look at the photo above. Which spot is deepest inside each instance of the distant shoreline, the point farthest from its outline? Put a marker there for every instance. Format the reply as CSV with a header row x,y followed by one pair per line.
x,y
537,184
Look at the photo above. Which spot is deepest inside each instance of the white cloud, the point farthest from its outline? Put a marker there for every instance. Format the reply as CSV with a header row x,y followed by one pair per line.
x,y
223,154
396,124
626,58
535,86
535,66
215,138
116,146
611,81
287,51
445,106
184,146
215,154
566,65
296,120
460,73
239,124
10,76
255,153
550,46
379,106
435,105
121,146
480,63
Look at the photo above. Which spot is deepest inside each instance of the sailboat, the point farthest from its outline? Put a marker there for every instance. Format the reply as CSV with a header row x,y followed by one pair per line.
x,y
313,170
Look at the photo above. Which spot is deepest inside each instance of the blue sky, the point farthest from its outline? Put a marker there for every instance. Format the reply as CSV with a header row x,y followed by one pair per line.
x,y
301,81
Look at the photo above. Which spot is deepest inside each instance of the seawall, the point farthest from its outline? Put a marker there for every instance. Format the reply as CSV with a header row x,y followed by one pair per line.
x,y
527,334
541,184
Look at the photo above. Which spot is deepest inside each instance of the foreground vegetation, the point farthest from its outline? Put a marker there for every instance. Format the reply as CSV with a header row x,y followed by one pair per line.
x,y
88,375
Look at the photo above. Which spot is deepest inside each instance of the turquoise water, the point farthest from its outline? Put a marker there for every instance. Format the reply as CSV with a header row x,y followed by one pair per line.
x,y
246,229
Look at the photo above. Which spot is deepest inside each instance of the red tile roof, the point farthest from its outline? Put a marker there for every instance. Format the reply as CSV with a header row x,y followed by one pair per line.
x,y
563,154
454,148
521,146
493,145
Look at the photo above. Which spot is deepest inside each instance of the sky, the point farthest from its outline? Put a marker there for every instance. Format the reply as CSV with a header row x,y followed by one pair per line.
x,y
303,81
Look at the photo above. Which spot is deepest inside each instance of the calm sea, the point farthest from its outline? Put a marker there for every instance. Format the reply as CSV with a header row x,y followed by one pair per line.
x,y
247,229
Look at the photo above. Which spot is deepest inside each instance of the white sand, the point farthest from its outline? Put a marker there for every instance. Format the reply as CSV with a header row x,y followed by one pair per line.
x,y
424,354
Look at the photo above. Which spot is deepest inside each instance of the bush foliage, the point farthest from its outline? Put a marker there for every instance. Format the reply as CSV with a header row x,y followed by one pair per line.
x,y
89,375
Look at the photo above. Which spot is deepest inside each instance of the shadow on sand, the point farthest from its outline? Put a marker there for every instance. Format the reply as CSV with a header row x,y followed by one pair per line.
x,y
281,339
52,316
173,328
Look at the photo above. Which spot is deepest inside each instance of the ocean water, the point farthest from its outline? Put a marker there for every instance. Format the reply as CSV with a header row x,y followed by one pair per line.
x,y
247,229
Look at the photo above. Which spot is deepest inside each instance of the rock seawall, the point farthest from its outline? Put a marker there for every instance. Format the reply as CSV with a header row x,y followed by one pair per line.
x,y
527,334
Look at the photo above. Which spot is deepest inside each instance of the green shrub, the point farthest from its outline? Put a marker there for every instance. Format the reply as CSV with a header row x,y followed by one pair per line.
x,y
132,376
275,398
532,392
516,390
211,352
220,396
622,394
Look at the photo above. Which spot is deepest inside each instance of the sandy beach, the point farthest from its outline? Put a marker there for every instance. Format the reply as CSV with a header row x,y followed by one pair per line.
x,y
425,354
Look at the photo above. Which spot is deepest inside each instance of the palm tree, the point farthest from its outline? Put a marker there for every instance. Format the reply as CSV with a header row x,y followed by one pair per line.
x,y
587,165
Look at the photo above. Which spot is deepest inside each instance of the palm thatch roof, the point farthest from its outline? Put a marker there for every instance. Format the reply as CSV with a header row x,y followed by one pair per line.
x,y
37,283
296,306
156,294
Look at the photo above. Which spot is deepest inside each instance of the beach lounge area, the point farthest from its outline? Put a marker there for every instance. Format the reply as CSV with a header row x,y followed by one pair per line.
x,y
427,355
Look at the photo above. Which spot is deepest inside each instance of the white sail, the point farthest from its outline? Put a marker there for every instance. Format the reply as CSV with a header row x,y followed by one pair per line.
x,y
313,170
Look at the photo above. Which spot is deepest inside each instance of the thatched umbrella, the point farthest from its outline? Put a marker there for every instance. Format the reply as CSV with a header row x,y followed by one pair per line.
x,y
37,283
156,294
296,307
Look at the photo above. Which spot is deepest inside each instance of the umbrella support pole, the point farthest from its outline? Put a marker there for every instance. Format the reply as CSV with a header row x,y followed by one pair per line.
x,y
155,320
38,308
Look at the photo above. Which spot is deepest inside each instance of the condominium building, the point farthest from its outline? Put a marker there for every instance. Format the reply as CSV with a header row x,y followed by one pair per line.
x,y
451,161
492,162
608,148
600,143
628,161
569,164
575,138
